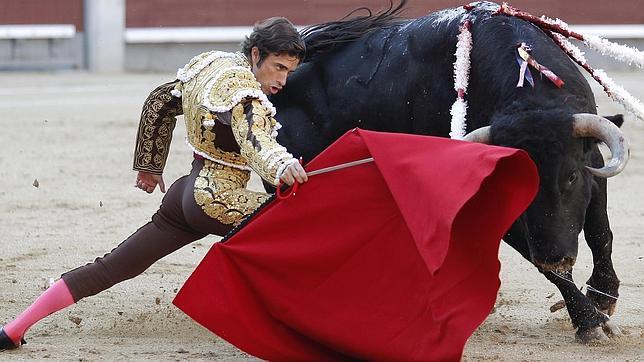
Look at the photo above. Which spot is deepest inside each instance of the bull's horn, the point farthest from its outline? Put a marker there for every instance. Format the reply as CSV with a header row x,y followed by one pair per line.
x,y
480,135
592,125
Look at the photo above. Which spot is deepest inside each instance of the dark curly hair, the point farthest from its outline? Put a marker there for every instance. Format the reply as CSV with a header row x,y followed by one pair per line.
x,y
274,36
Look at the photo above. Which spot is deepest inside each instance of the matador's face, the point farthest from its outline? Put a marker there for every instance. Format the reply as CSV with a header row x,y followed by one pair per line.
x,y
273,71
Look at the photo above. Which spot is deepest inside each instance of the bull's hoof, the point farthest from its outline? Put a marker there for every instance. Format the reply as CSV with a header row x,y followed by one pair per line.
x,y
611,329
591,335
599,334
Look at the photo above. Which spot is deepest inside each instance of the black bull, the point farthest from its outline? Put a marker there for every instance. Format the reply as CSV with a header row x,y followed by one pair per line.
x,y
398,77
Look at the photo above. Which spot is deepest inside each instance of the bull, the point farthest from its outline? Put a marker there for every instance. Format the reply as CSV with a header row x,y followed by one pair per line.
x,y
385,73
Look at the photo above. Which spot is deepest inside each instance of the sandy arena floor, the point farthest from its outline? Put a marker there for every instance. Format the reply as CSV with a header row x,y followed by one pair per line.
x,y
74,133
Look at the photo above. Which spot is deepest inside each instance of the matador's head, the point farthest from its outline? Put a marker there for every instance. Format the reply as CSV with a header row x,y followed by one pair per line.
x,y
274,50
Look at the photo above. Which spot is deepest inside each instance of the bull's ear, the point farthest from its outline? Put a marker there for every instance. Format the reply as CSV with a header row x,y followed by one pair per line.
x,y
618,119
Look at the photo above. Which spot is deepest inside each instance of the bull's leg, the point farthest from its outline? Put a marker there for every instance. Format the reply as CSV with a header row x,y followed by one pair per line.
x,y
600,240
591,324
589,321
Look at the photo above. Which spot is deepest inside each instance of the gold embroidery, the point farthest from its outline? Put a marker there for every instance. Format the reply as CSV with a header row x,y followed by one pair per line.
x,y
155,129
221,192
232,158
202,137
252,126
227,86
230,87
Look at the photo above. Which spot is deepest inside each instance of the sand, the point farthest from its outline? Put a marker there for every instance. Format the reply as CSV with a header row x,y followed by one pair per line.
x,y
74,132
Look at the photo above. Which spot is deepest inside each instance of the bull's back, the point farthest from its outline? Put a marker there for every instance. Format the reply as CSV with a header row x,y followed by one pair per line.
x,y
393,79
400,78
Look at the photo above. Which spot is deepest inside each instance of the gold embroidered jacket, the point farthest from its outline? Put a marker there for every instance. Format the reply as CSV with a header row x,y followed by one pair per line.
x,y
155,129
228,118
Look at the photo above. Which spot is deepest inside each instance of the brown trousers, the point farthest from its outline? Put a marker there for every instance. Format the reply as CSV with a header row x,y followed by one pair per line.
x,y
178,222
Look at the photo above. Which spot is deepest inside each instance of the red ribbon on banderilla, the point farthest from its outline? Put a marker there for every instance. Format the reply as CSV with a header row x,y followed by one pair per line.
x,y
283,194
524,59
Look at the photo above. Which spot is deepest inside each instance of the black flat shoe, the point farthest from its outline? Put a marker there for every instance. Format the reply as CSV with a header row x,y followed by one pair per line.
x,y
7,343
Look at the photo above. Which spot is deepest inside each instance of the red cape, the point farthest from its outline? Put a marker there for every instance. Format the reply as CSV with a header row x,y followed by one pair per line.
x,y
391,260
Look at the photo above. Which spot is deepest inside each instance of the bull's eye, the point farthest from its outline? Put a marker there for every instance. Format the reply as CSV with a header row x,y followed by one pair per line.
x,y
572,178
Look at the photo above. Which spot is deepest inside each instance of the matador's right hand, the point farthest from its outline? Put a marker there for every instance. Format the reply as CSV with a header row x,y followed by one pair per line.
x,y
148,182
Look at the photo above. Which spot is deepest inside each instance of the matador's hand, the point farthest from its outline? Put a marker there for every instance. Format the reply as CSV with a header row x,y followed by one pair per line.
x,y
294,172
148,182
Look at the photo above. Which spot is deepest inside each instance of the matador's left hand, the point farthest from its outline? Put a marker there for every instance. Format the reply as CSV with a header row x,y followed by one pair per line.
x,y
294,172
148,182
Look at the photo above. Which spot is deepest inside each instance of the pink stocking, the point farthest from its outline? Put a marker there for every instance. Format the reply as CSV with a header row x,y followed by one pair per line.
x,y
52,300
